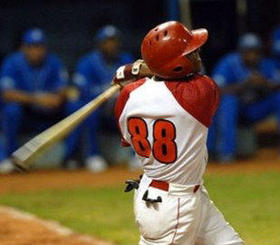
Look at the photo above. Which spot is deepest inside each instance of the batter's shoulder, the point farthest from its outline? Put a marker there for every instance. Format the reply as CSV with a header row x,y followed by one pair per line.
x,y
208,89
208,82
199,96
199,85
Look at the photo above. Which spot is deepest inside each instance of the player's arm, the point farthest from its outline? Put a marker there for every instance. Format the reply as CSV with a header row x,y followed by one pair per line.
x,y
82,79
209,98
234,88
271,76
55,95
215,94
9,87
47,100
17,96
223,75
255,79
50,100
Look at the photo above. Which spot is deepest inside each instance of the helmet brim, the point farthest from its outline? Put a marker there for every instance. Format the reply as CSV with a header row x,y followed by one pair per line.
x,y
199,37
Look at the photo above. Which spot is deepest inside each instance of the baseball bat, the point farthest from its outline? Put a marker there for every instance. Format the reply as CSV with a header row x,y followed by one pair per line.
x,y
23,157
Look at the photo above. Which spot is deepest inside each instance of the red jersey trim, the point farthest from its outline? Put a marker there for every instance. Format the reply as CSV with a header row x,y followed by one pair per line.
x,y
199,96
122,100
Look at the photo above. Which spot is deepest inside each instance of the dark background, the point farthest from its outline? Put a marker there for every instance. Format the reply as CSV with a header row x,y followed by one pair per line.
x,y
71,24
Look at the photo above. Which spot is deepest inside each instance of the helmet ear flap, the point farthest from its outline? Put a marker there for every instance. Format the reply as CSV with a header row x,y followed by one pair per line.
x,y
183,67
178,68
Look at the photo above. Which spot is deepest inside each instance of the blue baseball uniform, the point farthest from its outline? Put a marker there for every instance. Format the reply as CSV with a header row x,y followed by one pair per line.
x,y
93,75
18,74
275,47
251,106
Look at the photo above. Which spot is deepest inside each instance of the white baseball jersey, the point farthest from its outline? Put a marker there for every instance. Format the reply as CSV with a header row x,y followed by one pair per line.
x,y
166,122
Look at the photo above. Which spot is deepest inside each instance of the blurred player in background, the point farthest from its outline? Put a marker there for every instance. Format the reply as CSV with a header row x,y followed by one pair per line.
x,y
275,47
32,88
165,119
248,82
93,75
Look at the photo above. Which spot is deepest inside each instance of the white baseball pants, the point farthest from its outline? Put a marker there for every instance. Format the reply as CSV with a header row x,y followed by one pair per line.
x,y
182,218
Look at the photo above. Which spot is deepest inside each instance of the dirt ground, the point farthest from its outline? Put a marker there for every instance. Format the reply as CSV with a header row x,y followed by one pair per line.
x,y
18,228
34,232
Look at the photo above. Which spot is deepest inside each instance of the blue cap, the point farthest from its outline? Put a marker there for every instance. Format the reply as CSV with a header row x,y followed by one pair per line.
x,y
275,39
249,41
34,36
106,32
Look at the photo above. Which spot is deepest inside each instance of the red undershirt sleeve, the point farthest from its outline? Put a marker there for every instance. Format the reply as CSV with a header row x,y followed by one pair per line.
x,y
199,96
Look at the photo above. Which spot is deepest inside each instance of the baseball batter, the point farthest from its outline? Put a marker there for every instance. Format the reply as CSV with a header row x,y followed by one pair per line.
x,y
165,118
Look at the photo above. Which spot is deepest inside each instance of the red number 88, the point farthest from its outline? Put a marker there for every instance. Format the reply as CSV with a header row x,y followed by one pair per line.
x,y
164,133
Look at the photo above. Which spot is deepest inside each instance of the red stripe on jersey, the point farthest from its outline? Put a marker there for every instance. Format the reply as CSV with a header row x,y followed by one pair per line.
x,y
199,96
121,102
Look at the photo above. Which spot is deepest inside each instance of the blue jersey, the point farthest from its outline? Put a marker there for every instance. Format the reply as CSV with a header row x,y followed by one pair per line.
x,y
230,69
18,74
276,62
93,75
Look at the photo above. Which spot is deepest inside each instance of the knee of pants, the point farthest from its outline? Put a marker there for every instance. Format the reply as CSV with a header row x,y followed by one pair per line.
x,y
12,110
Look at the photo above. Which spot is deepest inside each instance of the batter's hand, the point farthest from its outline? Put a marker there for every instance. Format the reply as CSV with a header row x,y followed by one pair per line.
x,y
132,72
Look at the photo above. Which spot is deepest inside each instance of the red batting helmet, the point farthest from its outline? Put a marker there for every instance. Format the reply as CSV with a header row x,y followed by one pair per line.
x,y
164,49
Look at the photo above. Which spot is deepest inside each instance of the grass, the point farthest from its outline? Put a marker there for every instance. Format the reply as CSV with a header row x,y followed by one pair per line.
x,y
250,202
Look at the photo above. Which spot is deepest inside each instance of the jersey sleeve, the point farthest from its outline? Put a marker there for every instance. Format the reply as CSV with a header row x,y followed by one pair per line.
x,y
200,97
8,78
119,106
121,102
270,70
59,78
222,73
84,77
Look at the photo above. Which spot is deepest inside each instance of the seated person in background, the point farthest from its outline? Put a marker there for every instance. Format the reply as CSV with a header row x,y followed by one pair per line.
x,y
93,75
275,47
32,87
249,86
